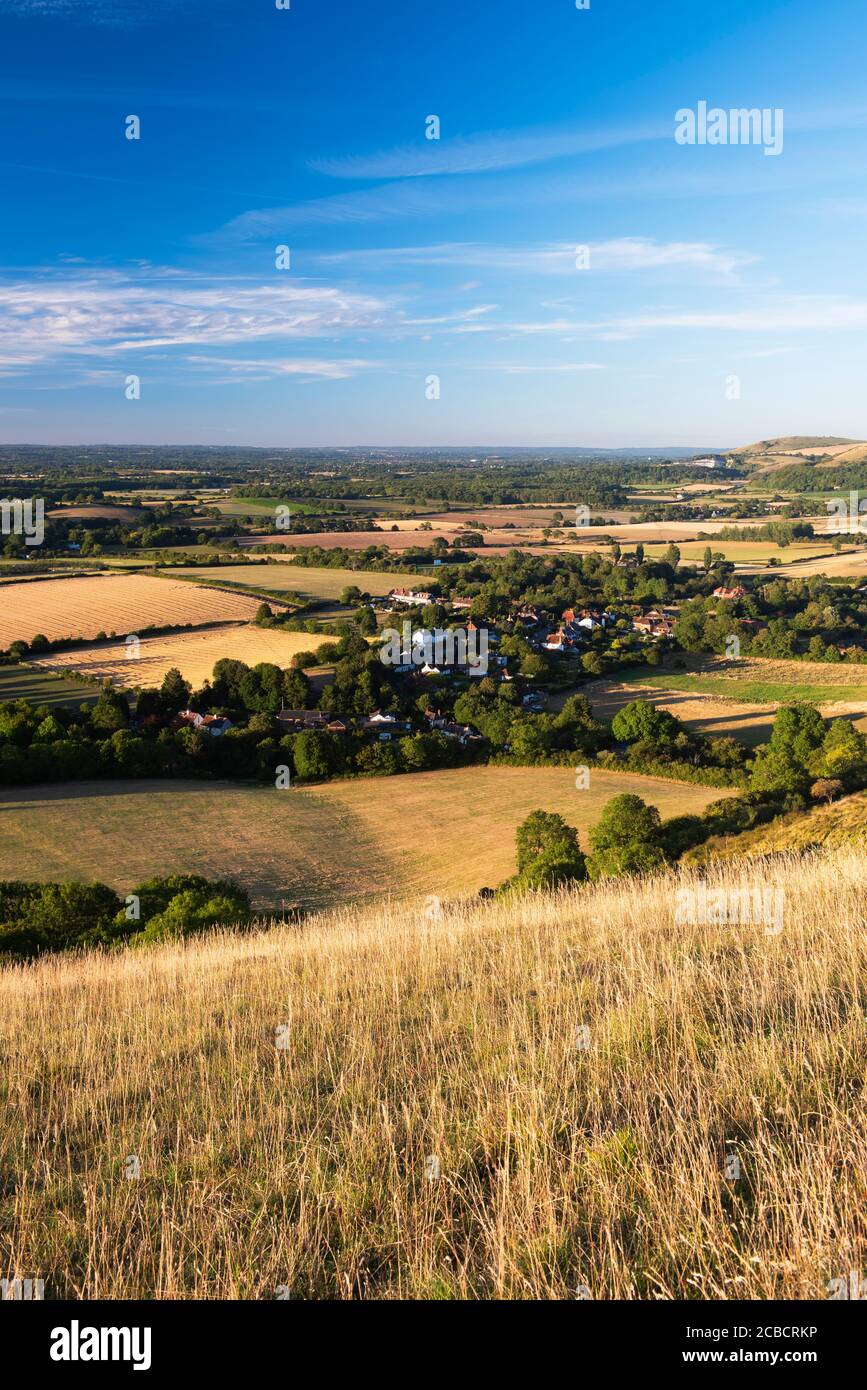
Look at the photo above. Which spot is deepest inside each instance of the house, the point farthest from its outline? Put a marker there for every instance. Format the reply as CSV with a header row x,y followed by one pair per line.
x,y
213,724
557,642
653,624
738,592
216,724
298,719
585,618
189,717
461,604
385,726
410,596
462,733
529,614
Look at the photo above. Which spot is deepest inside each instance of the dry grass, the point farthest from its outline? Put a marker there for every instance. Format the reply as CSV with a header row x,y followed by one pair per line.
x,y
455,1038
120,603
194,654
841,823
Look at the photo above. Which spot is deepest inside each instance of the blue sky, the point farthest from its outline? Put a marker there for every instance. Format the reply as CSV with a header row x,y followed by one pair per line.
x,y
722,297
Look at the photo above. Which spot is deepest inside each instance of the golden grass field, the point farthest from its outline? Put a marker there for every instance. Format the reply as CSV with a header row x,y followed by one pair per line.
x,y
746,552
194,654
120,603
576,1072
318,583
443,833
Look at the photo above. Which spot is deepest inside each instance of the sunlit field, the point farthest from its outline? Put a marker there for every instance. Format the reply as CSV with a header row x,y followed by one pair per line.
x,y
568,1096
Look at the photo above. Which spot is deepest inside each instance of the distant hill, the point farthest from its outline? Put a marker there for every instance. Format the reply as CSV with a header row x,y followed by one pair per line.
x,y
857,454
797,444
791,459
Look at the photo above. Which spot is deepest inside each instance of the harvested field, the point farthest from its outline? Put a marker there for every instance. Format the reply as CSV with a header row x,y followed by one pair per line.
x,y
850,564
318,583
747,552
194,654
98,512
112,603
348,540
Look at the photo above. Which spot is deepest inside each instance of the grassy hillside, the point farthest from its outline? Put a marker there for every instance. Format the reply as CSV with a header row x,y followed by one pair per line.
x,y
796,443
842,823
509,1102
429,832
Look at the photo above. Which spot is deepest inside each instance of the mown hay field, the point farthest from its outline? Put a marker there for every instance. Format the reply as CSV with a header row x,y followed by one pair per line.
x,y
193,653
439,833
112,603
574,1095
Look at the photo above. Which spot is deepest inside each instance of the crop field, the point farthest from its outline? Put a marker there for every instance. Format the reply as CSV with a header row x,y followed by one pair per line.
x,y
851,564
112,603
194,654
348,540
347,840
318,583
765,680
745,552
718,718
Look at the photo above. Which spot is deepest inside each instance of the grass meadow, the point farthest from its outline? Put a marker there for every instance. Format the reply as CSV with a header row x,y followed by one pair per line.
x,y
570,1095
448,832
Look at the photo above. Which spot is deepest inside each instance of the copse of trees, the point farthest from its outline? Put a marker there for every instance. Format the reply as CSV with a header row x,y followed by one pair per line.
x,y
39,918
803,750
627,839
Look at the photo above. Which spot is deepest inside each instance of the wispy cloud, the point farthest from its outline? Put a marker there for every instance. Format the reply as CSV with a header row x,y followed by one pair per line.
x,y
486,152
112,312
245,369
554,258
790,314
